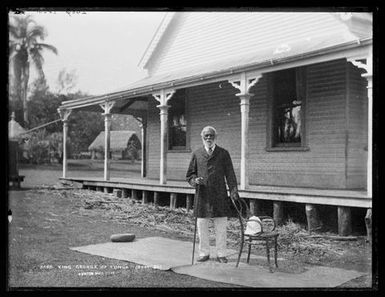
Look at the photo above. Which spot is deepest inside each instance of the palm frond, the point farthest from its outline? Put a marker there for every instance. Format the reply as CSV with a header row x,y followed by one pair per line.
x,y
21,25
19,21
48,47
37,31
15,21
12,50
22,20
13,31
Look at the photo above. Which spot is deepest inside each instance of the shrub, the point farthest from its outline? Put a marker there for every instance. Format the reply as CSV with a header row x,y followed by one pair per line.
x,y
37,148
56,147
42,148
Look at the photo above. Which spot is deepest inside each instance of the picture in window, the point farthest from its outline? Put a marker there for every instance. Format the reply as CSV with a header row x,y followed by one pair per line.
x,y
287,109
177,123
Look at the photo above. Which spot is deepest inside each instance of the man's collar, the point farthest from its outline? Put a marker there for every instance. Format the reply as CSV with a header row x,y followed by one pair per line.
x,y
212,148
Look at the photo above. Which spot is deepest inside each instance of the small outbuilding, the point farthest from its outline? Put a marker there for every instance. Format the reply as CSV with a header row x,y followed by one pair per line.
x,y
124,145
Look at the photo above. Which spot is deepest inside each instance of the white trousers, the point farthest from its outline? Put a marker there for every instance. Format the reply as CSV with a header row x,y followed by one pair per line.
x,y
220,224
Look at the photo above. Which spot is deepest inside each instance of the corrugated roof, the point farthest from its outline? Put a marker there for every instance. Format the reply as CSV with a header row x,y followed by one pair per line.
x,y
118,140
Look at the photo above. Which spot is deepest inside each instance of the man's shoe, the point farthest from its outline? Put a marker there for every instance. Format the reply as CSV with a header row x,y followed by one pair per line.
x,y
222,259
203,258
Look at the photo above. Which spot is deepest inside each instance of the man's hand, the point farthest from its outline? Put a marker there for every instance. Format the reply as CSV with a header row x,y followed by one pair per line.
x,y
199,181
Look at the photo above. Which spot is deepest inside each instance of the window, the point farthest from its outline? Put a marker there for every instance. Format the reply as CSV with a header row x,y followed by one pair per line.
x,y
177,122
288,92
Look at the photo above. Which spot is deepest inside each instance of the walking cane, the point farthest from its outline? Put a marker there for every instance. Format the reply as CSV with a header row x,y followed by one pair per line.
x,y
195,226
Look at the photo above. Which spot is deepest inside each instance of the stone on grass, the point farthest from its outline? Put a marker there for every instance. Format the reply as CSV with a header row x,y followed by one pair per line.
x,y
125,237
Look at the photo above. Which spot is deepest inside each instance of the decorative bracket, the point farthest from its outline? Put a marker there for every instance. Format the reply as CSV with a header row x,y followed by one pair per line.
x,y
64,114
244,83
107,106
368,66
360,64
163,96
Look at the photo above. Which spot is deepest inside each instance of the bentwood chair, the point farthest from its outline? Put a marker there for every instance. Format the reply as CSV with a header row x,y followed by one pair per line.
x,y
266,231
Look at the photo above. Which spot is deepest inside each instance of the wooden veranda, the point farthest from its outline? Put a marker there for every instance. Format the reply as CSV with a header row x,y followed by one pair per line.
x,y
181,190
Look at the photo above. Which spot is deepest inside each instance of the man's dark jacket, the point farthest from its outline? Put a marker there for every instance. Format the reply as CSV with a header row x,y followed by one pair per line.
x,y
212,198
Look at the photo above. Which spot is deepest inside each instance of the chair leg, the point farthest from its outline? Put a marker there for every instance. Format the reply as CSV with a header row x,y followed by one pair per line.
x,y
275,251
249,250
240,252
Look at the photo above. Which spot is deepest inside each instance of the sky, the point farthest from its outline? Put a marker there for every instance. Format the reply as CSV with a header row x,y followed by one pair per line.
x,y
104,48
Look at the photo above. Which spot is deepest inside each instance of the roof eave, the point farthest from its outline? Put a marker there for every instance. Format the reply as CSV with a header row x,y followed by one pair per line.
x,y
146,90
156,39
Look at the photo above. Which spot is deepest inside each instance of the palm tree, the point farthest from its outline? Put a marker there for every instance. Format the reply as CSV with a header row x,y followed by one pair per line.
x,y
25,49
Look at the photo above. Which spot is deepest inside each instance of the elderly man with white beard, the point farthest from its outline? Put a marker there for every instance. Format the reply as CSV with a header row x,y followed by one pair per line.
x,y
209,170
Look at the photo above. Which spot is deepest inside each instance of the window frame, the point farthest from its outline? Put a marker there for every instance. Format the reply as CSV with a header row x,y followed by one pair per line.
x,y
301,92
181,94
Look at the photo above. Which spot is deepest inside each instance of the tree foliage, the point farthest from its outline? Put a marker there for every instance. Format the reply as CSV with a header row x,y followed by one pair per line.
x,y
83,129
43,109
66,81
55,141
47,146
43,147
37,148
25,49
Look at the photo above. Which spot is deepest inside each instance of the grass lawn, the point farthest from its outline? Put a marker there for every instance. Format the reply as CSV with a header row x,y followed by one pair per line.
x,y
47,222
44,227
46,175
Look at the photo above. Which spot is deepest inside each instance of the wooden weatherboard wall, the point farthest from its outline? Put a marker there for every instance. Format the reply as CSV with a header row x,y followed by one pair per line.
x,y
357,128
331,161
324,164
213,104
